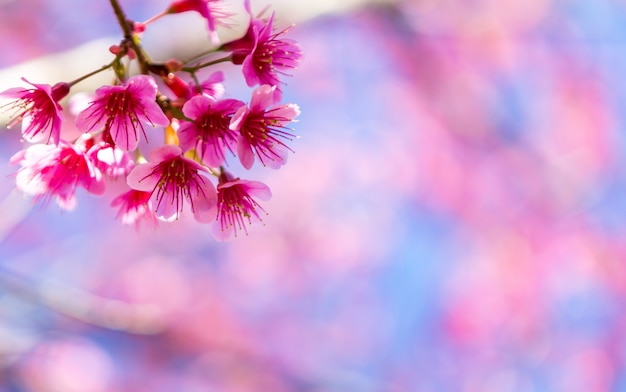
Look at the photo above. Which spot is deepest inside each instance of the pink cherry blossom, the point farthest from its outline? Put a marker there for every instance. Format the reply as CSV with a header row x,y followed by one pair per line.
x,y
212,86
123,110
263,54
110,160
236,206
212,10
135,207
38,109
171,179
49,170
262,129
209,133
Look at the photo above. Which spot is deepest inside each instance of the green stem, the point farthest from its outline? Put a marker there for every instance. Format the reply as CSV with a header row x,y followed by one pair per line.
x,y
128,36
90,74
209,63
200,55
154,18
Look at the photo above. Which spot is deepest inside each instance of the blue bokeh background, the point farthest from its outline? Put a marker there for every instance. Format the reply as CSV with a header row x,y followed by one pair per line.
x,y
451,220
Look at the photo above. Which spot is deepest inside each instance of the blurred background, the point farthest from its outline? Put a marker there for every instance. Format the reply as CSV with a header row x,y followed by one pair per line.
x,y
453,218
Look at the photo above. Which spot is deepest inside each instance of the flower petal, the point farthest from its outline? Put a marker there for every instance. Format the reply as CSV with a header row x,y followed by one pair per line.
x,y
238,118
142,178
197,106
164,152
262,98
204,202
244,151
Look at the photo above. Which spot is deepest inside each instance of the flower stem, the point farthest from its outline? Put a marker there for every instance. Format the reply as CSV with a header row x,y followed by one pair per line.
x,y
90,74
194,68
128,36
154,18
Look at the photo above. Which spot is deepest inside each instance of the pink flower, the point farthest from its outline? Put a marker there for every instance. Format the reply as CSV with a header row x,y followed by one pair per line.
x,y
263,54
49,170
212,86
122,111
209,133
211,10
171,179
110,160
236,206
261,130
39,110
134,208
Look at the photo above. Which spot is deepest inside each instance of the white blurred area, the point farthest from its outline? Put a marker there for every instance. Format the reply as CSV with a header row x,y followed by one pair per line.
x,y
163,39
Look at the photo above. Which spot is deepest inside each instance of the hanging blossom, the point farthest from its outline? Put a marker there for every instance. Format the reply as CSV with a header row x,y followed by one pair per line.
x,y
38,110
263,54
197,124
236,206
171,179
123,110
49,170
134,207
262,129
208,132
211,10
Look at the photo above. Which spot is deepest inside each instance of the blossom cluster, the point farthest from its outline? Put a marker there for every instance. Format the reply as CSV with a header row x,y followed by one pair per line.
x,y
190,126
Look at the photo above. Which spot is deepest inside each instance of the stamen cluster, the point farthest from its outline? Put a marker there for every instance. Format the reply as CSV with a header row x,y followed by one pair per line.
x,y
191,131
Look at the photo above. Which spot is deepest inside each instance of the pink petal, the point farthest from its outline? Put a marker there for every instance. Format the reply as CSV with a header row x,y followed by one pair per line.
x,y
88,119
141,177
15,92
187,135
142,86
41,153
262,98
197,106
288,111
204,203
30,182
162,153
17,157
153,114
238,118
258,190
249,72
246,155
45,87
103,91
96,186
278,157
67,202
122,136
221,234
227,105
165,208
212,157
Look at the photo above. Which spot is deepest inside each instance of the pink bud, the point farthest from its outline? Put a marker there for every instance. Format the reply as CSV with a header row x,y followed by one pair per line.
x,y
60,90
174,65
178,86
139,27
